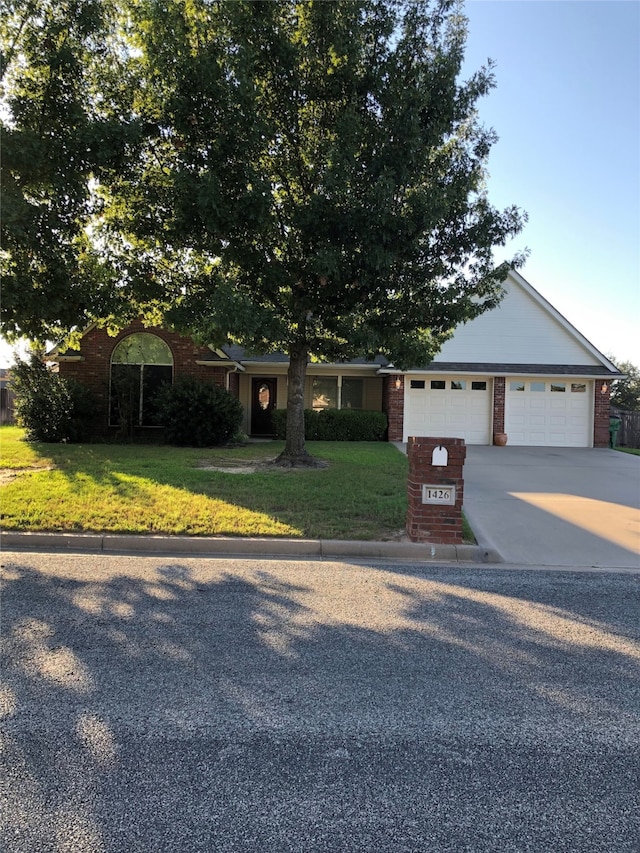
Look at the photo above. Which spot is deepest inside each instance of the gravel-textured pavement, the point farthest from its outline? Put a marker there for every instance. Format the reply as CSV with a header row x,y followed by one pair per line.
x,y
167,704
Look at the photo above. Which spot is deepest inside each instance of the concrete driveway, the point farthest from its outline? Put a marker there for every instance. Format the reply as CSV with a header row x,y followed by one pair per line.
x,y
555,506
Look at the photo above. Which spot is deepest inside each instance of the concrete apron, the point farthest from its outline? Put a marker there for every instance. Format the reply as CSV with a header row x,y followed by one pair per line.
x,y
549,506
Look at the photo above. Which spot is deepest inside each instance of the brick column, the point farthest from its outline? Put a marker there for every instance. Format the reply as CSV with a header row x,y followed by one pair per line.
x,y
234,384
393,406
601,412
434,522
498,403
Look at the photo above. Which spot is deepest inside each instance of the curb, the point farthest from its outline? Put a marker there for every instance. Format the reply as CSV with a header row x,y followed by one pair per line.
x,y
222,546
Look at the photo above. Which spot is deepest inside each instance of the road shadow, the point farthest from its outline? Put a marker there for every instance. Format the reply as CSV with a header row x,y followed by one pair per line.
x,y
184,705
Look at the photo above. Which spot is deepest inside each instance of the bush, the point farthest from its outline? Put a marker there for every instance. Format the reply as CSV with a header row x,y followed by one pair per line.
x,y
50,407
336,425
197,414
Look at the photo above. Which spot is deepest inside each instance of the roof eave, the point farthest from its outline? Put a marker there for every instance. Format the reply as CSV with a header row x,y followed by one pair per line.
x,y
227,363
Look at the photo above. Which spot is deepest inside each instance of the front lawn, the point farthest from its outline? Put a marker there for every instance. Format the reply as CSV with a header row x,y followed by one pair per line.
x,y
168,490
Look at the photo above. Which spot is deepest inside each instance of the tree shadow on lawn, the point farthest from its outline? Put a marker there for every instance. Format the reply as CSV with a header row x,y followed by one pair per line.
x,y
150,703
143,497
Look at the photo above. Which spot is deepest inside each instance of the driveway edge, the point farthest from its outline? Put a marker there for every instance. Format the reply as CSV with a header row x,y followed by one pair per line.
x,y
227,546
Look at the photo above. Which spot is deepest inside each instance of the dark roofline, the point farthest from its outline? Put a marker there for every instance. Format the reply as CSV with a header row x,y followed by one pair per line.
x,y
503,369
240,354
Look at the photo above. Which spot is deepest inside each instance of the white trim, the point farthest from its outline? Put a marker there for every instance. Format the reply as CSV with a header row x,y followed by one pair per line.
x,y
219,352
228,364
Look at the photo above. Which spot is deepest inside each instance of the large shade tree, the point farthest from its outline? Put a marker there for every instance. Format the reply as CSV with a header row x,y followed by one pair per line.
x,y
55,141
305,177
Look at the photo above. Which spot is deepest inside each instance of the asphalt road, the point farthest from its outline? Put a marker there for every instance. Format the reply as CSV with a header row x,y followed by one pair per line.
x,y
192,705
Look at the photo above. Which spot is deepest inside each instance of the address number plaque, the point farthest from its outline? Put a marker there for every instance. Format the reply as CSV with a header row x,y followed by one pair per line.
x,y
438,494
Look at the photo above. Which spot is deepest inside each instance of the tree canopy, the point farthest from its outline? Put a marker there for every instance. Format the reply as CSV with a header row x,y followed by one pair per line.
x,y
54,142
625,393
306,177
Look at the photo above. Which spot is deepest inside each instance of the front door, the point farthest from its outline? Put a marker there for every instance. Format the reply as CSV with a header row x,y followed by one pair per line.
x,y
263,401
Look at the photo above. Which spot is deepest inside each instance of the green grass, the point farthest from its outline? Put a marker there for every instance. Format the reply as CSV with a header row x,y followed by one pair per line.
x,y
634,450
468,536
167,490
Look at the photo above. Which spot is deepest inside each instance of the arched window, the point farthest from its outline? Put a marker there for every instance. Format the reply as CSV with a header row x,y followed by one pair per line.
x,y
140,364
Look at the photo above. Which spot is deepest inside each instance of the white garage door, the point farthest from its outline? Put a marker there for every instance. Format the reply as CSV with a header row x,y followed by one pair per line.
x,y
454,407
548,412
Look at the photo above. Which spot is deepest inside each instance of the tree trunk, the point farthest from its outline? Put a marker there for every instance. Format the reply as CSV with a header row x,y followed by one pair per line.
x,y
295,453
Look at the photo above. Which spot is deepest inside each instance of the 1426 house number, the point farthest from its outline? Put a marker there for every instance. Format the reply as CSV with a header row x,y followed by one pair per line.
x,y
433,494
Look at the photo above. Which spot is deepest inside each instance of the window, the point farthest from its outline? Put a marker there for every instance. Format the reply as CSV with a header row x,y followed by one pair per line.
x,y
478,386
578,388
325,392
537,386
558,387
264,396
438,384
458,385
417,383
516,386
351,393
140,364
337,392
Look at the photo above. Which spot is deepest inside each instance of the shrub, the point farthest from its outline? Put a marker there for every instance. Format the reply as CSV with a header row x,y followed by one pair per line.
x,y
197,414
351,425
50,407
336,425
279,424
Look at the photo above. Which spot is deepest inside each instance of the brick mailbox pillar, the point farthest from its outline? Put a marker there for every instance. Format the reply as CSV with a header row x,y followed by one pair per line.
x,y
435,489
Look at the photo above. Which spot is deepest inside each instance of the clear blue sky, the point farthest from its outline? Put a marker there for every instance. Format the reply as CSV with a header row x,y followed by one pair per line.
x,y
567,110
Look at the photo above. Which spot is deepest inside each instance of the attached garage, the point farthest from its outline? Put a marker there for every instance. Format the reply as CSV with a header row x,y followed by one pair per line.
x,y
452,406
521,370
549,412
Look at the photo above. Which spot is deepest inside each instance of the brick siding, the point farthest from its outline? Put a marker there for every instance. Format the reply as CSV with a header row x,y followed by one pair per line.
x,y
94,368
601,413
499,385
393,406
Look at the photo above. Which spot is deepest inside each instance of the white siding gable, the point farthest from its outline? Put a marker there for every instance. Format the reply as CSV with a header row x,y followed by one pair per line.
x,y
521,330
